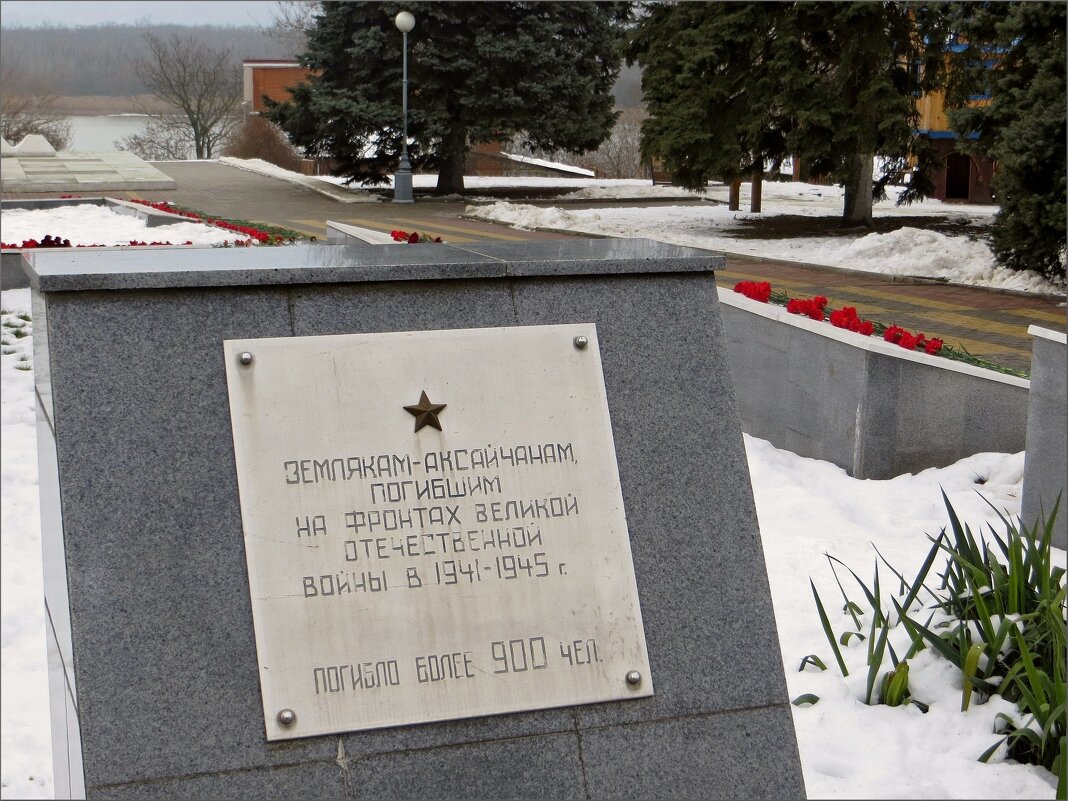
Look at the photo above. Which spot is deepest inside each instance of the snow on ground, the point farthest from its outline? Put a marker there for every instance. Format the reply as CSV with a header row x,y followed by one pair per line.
x,y
958,258
805,507
551,164
579,188
808,508
98,225
25,736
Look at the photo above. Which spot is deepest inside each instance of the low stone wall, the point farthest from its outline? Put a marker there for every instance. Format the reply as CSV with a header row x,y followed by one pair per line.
x,y
868,406
153,218
345,234
1046,461
12,275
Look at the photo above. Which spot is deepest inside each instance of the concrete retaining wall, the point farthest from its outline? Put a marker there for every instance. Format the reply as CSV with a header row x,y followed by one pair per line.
x,y
154,676
12,275
344,234
870,407
1046,461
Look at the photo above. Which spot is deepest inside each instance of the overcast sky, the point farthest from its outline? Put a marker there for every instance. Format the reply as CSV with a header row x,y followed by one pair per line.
x,y
71,13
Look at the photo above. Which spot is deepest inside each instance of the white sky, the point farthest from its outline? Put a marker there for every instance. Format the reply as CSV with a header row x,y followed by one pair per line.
x,y
69,13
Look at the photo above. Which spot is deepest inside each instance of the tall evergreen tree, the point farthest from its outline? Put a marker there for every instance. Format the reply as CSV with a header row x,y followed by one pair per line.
x,y
478,72
710,73
1014,53
833,83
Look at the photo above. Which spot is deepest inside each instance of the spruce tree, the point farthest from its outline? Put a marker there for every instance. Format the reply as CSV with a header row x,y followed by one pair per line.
x,y
835,84
1014,54
478,72
710,76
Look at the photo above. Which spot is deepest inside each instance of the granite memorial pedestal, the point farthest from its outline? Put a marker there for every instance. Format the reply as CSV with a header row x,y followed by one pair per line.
x,y
155,681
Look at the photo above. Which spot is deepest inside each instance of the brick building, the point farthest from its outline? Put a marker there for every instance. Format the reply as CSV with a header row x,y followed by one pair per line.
x,y
964,176
270,77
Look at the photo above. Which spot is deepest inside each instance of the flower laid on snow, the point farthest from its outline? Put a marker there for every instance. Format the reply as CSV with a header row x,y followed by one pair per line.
x,y
56,242
413,238
47,241
253,232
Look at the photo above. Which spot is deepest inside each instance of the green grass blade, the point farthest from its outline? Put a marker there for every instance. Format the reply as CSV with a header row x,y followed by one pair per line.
x,y
1034,676
813,660
827,630
936,642
875,663
971,668
985,756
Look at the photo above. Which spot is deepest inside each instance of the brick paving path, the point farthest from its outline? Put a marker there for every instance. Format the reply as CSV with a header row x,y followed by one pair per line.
x,y
989,324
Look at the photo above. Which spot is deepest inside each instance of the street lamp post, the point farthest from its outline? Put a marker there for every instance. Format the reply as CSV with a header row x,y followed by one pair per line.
x,y
402,181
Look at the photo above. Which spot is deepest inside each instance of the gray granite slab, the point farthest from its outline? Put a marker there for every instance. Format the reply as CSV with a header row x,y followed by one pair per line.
x,y
148,268
388,306
160,613
525,767
740,754
700,569
1045,481
311,780
79,172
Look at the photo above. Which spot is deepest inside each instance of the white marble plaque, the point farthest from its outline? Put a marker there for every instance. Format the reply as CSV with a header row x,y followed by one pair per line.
x,y
402,574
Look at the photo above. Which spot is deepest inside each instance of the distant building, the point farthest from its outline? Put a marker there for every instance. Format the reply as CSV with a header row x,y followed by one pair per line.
x,y
965,176
270,77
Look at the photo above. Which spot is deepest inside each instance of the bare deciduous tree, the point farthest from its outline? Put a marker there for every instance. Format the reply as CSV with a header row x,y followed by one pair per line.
x,y
619,156
162,139
292,19
201,83
26,107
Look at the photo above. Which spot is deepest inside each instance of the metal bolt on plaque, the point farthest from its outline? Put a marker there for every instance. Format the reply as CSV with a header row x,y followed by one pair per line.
x,y
634,678
245,358
582,342
287,717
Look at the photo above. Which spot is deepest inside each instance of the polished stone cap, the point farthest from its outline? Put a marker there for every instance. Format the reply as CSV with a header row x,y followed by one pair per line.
x,y
156,268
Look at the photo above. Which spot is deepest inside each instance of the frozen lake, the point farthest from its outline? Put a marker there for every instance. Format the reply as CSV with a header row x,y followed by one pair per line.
x,y
99,134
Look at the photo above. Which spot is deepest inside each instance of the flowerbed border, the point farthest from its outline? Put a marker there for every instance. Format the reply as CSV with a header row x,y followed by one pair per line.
x,y
819,310
874,344
266,235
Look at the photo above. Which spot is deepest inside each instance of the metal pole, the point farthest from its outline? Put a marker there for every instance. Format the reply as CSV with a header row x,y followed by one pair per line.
x,y
402,181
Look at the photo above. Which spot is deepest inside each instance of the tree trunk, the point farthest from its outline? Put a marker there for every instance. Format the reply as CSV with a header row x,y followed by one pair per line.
x,y
734,198
773,172
453,155
858,190
754,196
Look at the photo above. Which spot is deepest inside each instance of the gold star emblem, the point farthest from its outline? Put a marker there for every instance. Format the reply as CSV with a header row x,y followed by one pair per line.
x,y
426,413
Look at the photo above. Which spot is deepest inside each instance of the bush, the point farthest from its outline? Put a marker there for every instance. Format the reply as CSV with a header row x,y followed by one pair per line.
x,y
997,614
260,139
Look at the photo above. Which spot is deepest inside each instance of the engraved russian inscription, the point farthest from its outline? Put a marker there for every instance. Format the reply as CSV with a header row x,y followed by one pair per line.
x,y
398,579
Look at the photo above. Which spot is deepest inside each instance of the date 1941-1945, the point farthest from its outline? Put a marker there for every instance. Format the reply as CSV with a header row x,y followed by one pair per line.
x,y
507,656
446,573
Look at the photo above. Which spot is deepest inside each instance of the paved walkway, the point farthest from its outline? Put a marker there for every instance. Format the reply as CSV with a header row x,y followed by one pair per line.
x,y
989,324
